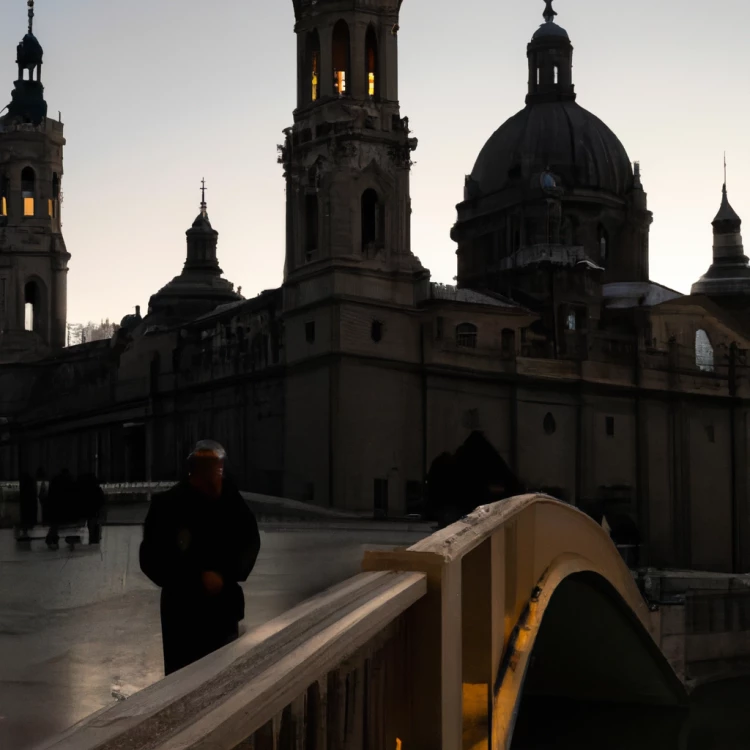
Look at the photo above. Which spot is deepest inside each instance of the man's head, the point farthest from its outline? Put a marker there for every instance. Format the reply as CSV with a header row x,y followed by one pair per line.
x,y
206,467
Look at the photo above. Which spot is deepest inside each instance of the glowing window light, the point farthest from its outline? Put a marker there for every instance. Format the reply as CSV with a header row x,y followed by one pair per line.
x,y
371,84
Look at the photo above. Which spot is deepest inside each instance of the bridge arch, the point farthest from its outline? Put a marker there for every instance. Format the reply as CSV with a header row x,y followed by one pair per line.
x,y
494,577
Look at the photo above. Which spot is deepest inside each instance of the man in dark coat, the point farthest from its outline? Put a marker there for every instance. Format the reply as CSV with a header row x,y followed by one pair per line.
x,y
200,540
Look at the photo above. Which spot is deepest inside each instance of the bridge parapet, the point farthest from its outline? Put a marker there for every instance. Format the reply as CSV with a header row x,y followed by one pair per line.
x,y
430,647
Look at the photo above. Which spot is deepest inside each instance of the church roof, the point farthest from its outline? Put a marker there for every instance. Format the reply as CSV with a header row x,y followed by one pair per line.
x,y
467,296
560,136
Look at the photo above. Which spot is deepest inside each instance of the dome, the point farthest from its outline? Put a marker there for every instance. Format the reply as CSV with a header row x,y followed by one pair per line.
x,y
30,52
550,29
559,136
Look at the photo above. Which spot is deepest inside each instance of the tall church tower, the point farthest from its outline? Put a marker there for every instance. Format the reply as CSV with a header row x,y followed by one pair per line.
x,y
347,158
33,258
351,282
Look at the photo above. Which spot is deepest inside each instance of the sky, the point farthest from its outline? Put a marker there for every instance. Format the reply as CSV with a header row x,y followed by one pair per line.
x,y
157,94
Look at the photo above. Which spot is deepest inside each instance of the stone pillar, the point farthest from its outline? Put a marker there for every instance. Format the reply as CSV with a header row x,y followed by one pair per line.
x,y
58,303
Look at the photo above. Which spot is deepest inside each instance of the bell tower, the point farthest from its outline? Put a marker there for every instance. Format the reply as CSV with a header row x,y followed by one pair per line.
x,y
347,158
33,257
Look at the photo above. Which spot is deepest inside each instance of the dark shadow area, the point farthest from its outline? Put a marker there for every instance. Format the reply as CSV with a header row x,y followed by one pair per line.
x,y
596,679
476,474
719,716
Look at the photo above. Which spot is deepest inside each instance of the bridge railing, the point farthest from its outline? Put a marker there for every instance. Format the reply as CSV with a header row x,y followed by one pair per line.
x,y
428,648
328,673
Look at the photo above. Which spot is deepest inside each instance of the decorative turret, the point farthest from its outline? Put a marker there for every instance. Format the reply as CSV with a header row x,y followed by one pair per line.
x,y
729,274
550,55
200,288
27,100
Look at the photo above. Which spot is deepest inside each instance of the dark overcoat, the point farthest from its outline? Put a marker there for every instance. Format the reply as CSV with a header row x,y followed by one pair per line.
x,y
185,535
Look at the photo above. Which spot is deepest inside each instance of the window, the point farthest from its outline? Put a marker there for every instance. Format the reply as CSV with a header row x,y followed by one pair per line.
x,y
549,425
28,186
557,74
54,204
538,75
466,335
570,321
3,196
312,65
704,352
508,342
310,332
710,434
340,58
371,62
603,244
372,220
439,324
31,306
376,331
380,500
311,224
609,426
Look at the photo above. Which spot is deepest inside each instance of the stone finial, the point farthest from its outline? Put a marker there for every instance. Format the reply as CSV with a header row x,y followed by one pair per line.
x,y
203,197
549,11
31,16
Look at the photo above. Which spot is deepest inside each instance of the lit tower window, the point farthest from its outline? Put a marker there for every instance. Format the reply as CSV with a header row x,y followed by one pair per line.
x,y
371,60
28,182
340,57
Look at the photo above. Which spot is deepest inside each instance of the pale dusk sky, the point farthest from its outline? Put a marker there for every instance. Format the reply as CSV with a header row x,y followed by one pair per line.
x,y
156,94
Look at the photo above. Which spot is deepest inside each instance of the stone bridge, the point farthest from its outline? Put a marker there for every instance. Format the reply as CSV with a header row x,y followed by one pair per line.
x,y
516,625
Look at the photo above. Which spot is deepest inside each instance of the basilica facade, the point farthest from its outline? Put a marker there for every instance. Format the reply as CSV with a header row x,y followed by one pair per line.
x,y
343,385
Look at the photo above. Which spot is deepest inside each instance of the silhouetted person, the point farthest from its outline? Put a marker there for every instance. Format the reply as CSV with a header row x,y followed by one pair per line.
x,y
475,475
43,494
59,500
28,501
91,498
200,540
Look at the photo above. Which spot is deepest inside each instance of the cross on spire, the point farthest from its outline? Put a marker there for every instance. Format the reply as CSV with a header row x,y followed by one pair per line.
x,y
203,196
725,170
31,16
549,11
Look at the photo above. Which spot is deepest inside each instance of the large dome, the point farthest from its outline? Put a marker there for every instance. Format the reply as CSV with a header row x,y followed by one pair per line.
x,y
560,136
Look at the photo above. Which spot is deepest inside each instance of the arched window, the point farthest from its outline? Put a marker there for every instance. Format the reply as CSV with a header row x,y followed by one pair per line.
x,y
466,335
704,352
549,424
373,223
341,58
371,63
603,244
31,306
4,183
28,187
311,224
557,74
54,202
312,67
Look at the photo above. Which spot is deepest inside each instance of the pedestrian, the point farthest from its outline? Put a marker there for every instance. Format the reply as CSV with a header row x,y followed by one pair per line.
x,y
92,501
43,493
200,540
28,501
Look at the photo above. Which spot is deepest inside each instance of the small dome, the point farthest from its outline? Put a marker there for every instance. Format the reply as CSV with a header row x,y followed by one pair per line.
x,y
30,52
558,136
550,29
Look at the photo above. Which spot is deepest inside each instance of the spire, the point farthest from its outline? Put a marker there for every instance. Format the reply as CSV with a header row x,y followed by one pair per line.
x,y
204,212
729,274
27,99
549,11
